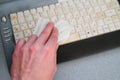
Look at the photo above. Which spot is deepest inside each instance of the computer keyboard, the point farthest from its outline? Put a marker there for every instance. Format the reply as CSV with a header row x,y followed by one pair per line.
x,y
88,18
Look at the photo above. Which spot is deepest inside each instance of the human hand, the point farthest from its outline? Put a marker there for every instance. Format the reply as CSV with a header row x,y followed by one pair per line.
x,y
36,58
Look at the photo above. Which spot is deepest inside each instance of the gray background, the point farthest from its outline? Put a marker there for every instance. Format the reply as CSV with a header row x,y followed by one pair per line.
x,y
104,64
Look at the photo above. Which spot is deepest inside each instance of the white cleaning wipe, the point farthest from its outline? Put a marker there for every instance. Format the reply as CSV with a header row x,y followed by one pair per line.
x,y
64,28
41,24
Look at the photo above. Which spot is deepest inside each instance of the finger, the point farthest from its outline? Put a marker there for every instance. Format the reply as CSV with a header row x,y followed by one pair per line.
x,y
45,34
25,56
52,43
31,40
53,40
48,50
20,43
16,58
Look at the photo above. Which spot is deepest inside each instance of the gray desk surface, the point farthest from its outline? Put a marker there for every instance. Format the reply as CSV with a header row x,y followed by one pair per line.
x,y
101,66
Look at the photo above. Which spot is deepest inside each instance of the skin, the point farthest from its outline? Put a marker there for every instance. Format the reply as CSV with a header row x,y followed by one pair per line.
x,y
36,58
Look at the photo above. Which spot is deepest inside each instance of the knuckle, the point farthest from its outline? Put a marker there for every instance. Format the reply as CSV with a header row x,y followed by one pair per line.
x,y
33,49
23,49
47,49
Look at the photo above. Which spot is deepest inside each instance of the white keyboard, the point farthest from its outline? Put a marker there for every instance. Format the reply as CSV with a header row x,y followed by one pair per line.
x,y
88,18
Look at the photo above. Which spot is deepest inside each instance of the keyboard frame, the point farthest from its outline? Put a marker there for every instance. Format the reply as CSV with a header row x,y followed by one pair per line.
x,y
21,5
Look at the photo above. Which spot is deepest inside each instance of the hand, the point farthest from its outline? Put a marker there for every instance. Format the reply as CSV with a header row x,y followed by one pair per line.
x,y
36,58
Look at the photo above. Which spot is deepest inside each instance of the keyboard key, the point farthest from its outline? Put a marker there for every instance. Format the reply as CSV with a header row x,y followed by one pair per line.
x,y
23,26
115,19
80,6
21,18
65,7
82,35
117,24
52,7
94,28
69,16
119,16
97,9
31,24
16,28
108,20
18,35
107,1
94,31
76,2
78,28
61,17
73,22
100,2
71,3
73,9
118,10
87,4
110,5
110,12
76,14
94,3
104,7
83,12
106,28
33,11
14,19
87,18
27,33
58,9
46,8
35,14
100,30
33,31
54,19
28,16
100,22
51,13
44,15
13,16
90,11
87,29
93,24
39,10
80,20
94,17
112,27
101,15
